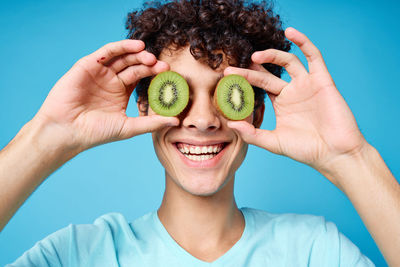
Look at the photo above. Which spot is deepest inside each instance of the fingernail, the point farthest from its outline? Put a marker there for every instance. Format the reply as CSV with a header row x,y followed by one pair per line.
x,y
229,124
227,70
289,30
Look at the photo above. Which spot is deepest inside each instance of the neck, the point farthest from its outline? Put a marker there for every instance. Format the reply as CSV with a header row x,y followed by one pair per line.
x,y
205,226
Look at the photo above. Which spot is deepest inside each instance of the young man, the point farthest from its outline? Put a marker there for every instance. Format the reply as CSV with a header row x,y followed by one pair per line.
x,y
198,223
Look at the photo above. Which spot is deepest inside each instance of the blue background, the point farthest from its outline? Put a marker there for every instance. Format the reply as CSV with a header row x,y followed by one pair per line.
x,y
40,41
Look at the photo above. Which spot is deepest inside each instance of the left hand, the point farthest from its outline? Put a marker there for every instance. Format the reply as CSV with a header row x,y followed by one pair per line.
x,y
314,125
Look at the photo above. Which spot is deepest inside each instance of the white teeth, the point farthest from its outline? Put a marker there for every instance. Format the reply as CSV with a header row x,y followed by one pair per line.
x,y
197,150
200,157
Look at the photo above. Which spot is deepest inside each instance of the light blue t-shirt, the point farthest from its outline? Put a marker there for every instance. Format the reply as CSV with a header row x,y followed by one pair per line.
x,y
267,240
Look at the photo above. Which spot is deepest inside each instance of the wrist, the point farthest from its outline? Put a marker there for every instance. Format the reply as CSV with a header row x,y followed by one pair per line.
x,y
50,138
340,168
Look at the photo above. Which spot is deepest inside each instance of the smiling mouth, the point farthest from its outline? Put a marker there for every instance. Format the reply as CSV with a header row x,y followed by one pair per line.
x,y
200,153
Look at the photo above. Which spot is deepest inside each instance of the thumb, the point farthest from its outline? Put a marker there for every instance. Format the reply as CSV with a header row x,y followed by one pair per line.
x,y
261,138
145,124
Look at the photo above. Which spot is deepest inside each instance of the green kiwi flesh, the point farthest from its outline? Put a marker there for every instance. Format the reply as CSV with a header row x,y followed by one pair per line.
x,y
168,94
234,97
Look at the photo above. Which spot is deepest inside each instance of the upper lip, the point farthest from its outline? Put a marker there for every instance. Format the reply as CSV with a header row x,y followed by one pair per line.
x,y
201,142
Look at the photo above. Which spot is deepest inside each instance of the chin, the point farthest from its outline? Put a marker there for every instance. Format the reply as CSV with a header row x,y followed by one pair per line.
x,y
201,186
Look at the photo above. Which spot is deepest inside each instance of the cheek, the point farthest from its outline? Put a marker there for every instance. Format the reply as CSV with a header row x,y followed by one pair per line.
x,y
241,154
241,147
159,145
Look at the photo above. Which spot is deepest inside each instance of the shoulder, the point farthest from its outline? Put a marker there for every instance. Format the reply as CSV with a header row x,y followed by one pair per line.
x,y
289,229
108,230
77,243
287,222
305,235
109,225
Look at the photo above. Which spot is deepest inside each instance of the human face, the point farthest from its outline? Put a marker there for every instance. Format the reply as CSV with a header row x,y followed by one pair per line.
x,y
202,130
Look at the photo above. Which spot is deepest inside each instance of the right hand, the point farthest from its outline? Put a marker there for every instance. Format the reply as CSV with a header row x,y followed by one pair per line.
x,y
89,102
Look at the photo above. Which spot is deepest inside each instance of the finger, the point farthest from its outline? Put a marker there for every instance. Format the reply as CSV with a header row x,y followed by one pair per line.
x,y
289,61
265,80
134,73
257,67
145,124
115,49
311,52
122,62
251,135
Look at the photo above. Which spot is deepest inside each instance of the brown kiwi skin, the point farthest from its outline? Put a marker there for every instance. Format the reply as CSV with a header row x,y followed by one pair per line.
x,y
216,102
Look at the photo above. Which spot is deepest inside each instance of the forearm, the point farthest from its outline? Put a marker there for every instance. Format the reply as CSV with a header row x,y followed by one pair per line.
x,y
34,153
375,193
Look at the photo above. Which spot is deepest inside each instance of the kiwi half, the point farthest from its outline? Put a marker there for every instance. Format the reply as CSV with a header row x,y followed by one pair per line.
x,y
168,94
234,97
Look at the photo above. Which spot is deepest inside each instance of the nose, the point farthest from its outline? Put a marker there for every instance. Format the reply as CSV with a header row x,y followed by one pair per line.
x,y
202,114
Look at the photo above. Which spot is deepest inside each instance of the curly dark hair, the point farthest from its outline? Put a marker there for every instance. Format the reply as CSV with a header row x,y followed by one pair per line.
x,y
235,27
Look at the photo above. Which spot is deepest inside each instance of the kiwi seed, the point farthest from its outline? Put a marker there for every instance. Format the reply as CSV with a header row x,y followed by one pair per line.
x,y
168,94
234,97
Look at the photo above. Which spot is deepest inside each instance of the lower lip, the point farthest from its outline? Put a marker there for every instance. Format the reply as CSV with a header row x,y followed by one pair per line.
x,y
209,163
